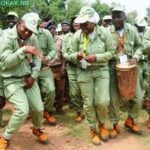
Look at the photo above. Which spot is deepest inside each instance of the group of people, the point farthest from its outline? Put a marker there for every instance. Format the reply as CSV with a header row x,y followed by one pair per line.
x,y
37,67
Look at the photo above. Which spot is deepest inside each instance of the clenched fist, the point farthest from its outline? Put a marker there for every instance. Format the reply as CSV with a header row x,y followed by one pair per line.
x,y
91,58
29,81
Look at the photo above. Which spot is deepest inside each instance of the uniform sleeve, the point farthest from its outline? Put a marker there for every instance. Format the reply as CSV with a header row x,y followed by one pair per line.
x,y
65,47
146,43
8,57
37,62
74,47
109,48
50,45
137,45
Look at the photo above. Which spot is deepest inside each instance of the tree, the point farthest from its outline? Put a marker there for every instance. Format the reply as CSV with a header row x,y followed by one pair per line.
x,y
73,8
131,17
102,8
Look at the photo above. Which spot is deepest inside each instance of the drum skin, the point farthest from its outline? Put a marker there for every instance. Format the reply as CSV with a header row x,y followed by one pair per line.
x,y
126,76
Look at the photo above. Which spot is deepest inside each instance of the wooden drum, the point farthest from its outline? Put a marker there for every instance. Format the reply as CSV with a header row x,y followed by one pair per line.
x,y
126,80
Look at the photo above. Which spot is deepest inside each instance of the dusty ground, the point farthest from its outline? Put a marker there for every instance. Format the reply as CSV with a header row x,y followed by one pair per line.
x,y
68,135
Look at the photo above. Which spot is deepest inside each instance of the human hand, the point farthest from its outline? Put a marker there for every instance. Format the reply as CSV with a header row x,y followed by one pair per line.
x,y
90,58
45,61
80,56
132,61
29,81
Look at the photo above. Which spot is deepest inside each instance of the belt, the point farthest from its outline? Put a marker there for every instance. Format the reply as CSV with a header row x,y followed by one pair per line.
x,y
18,77
92,67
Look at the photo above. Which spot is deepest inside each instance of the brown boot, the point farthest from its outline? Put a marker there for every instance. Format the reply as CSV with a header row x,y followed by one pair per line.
x,y
3,143
94,138
129,123
79,117
43,138
48,116
148,123
115,131
104,134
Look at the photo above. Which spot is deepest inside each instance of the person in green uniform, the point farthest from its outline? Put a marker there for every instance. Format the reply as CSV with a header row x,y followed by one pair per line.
x,y
11,20
107,21
74,89
146,51
20,69
91,48
143,71
45,78
2,96
126,40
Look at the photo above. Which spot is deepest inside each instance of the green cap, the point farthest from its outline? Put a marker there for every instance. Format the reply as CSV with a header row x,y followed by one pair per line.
x,y
11,13
85,14
141,22
117,8
31,21
107,17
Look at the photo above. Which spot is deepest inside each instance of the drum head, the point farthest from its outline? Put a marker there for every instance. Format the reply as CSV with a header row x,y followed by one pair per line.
x,y
124,66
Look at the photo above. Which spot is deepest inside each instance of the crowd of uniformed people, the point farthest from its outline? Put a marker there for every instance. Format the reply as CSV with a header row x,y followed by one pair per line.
x,y
43,66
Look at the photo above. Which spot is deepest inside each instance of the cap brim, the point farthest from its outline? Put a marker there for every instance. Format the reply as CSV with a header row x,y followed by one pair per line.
x,y
31,28
81,19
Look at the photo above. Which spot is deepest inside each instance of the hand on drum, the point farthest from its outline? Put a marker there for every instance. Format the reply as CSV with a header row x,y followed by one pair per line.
x,y
132,61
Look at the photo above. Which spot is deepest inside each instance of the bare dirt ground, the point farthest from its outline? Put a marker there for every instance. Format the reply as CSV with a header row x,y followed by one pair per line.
x,y
68,135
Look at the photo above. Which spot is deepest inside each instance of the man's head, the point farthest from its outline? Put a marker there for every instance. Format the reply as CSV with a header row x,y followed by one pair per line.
x,y
107,21
87,19
50,25
11,19
141,25
27,25
65,26
118,18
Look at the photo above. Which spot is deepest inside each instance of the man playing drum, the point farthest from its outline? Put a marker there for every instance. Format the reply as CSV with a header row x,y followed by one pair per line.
x,y
126,40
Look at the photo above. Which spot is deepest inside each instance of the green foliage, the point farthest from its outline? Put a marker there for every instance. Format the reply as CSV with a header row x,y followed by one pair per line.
x,y
56,10
73,8
102,8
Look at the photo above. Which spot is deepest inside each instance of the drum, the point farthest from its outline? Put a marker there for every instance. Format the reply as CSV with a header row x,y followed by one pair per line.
x,y
126,80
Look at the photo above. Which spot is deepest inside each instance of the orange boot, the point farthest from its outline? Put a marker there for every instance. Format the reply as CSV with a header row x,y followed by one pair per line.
x,y
48,116
43,138
148,123
104,134
129,123
115,131
3,143
94,138
79,117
